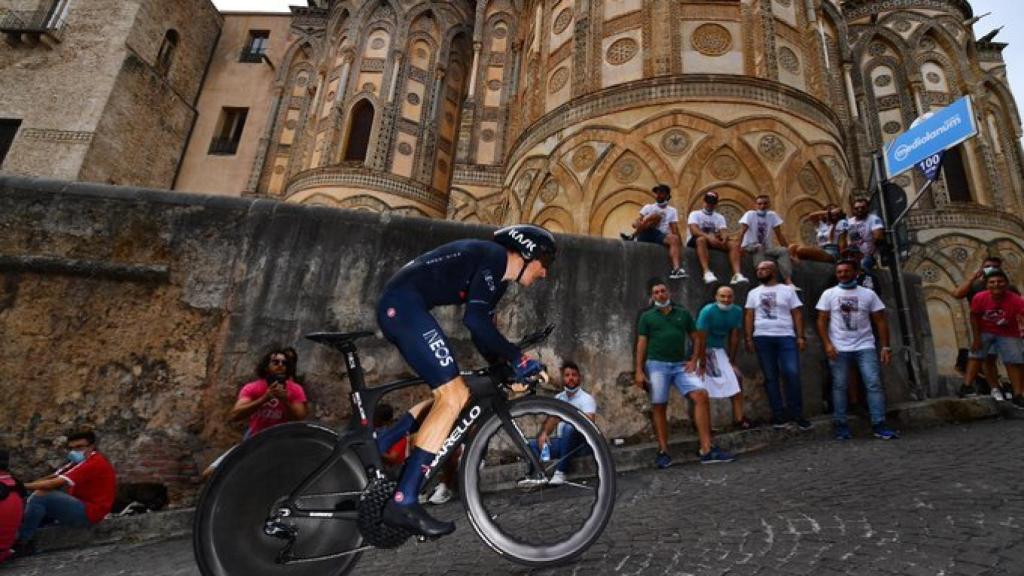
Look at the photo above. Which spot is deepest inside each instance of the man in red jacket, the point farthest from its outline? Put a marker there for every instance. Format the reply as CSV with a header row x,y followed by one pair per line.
x,y
78,494
11,504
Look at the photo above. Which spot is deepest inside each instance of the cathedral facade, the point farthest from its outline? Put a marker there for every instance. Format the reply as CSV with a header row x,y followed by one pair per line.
x,y
565,113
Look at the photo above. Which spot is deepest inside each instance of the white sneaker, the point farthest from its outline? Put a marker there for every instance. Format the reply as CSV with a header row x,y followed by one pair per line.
x,y
710,278
557,479
440,495
997,394
677,274
531,482
739,279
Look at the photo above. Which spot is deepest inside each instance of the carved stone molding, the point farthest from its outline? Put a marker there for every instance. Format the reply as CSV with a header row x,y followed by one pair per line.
x,y
725,167
711,39
677,89
675,142
344,176
622,51
771,147
66,136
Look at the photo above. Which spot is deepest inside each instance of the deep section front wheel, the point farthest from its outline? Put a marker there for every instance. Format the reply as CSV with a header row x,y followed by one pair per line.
x,y
547,522
230,534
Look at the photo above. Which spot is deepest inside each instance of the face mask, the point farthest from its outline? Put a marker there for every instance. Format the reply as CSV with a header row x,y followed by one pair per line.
x,y
989,270
708,211
664,304
76,456
662,204
848,285
762,213
572,390
723,306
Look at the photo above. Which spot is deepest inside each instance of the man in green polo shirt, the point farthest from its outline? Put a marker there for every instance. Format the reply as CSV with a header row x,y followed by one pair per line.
x,y
661,352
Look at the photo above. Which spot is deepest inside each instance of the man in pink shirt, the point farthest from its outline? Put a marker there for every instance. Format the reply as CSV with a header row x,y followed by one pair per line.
x,y
273,398
996,318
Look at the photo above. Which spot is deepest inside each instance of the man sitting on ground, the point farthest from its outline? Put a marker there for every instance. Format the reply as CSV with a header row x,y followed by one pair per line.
x,y
78,494
567,443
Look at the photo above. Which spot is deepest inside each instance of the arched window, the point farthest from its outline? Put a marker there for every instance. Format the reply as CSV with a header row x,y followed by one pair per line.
x,y
359,131
165,57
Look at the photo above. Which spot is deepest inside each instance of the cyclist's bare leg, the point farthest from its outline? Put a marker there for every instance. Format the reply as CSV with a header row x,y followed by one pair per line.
x,y
449,399
404,510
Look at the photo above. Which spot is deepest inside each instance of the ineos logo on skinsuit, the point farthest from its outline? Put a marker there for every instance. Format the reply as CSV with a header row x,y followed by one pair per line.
x,y
439,347
526,242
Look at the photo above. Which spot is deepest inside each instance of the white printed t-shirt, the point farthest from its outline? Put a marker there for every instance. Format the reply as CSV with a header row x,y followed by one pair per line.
x,y
580,400
760,228
707,223
773,306
858,232
669,215
849,325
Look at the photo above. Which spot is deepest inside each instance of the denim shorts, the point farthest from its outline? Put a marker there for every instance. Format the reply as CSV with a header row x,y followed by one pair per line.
x,y
1010,350
664,375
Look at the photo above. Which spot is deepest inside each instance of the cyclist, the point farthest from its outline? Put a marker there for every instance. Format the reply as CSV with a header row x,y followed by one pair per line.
x,y
471,272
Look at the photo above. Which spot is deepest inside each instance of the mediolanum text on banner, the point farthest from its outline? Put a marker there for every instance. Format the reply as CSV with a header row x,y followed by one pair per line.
x,y
944,129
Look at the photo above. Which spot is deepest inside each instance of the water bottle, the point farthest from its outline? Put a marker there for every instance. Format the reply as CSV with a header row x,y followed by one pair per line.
x,y
545,453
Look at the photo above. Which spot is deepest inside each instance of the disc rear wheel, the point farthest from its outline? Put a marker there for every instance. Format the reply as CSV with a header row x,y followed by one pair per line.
x,y
230,533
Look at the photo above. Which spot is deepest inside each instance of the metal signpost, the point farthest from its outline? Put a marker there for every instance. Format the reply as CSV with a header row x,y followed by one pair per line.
x,y
922,146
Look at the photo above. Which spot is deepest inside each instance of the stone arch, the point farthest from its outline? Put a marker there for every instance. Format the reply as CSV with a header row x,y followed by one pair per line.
x,y
362,117
838,21
364,202
950,47
619,203
555,214
948,322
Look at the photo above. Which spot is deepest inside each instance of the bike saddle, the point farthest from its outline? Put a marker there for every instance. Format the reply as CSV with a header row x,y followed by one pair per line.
x,y
338,338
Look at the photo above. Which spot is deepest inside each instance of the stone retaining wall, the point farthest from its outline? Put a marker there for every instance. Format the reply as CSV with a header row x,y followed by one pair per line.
x,y
140,313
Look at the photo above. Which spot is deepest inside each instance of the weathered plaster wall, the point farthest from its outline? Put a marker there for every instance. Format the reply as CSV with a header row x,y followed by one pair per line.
x,y
140,313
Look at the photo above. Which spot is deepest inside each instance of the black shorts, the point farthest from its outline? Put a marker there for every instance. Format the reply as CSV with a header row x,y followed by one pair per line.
x,y
404,319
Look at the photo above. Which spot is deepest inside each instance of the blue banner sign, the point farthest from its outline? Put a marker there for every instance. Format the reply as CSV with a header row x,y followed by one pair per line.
x,y
944,129
931,166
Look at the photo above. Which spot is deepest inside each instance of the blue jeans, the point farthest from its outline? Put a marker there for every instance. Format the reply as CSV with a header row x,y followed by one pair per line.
x,y
870,373
563,448
775,354
60,506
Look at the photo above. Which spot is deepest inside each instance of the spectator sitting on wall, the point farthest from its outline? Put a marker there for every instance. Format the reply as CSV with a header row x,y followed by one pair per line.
x,y
707,231
718,326
968,289
273,398
562,440
12,502
78,494
661,363
846,314
658,223
829,225
862,231
997,316
759,228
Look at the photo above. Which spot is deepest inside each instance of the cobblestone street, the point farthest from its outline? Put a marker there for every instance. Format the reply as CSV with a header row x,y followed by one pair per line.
x,y
946,501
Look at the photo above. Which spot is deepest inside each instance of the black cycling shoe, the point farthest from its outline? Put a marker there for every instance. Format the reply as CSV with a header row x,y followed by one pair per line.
x,y
415,520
